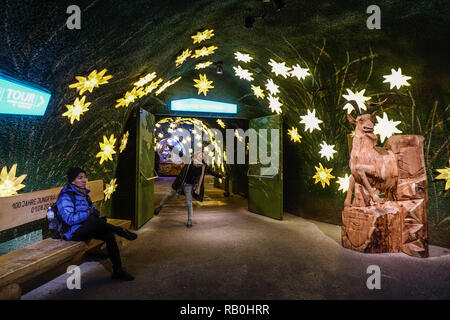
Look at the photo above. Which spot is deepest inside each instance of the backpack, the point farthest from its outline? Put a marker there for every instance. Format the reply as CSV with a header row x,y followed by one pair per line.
x,y
56,225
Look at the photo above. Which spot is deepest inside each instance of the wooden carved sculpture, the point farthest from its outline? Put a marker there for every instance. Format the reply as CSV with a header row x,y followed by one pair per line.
x,y
398,221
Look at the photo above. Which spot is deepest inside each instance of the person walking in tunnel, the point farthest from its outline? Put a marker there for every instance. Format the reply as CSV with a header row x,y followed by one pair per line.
x,y
82,221
190,183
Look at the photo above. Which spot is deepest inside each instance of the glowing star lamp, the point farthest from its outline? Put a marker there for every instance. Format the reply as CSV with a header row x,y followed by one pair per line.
x,y
110,188
202,36
76,110
385,127
166,85
344,183
17,97
203,65
243,73
182,57
279,68
243,57
205,51
144,80
396,79
258,92
107,148
358,97
124,141
299,72
272,87
93,80
323,175
9,184
310,121
274,104
445,175
293,133
326,150
200,105
203,84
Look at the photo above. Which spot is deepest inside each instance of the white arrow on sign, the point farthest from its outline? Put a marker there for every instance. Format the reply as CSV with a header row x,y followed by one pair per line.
x,y
41,102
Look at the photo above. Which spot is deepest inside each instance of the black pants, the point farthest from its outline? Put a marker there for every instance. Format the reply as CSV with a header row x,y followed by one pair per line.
x,y
97,228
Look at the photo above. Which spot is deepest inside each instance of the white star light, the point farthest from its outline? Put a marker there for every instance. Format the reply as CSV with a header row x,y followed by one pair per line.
x,y
272,87
299,72
396,79
310,121
385,127
243,73
344,183
327,150
279,68
358,97
243,57
274,104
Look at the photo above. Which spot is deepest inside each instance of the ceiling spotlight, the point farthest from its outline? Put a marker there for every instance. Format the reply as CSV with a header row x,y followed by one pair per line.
x,y
219,67
278,4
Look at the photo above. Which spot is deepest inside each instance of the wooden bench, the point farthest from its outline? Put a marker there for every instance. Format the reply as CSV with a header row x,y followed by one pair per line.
x,y
29,267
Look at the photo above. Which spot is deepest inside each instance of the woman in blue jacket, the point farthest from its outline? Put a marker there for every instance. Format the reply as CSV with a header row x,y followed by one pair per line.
x,y
82,220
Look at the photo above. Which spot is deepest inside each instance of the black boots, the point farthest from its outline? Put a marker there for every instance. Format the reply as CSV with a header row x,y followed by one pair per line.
x,y
189,224
157,210
122,274
124,233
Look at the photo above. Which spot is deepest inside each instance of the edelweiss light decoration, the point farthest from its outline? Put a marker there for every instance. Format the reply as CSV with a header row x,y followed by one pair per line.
x,y
221,123
274,104
243,73
203,65
385,127
344,183
9,184
124,141
202,36
166,85
358,97
182,57
205,51
299,72
258,92
272,87
110,188
203,84
243,57
152,86
129,98
107,148
326,150
293,133
310,121
279,68
323,175
77,109
396,79
93,80
445,175
144,80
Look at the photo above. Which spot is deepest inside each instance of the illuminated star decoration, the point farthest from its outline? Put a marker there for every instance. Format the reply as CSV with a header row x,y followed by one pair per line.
x,y
9,184
258,92
110,188
279,68
293,133
310,121
203,84
203,65
385,127
445,175
272,87
166,85
358,97
323,175
93,80
203,52
274,104
221,123
202,36
129,98
243,57
182,57
344,183
243,73
107,148
396,79
299,72
152,86
77,109
144,80
124,141
326,150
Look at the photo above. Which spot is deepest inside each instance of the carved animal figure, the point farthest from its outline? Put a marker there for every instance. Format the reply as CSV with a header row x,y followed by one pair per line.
x,y
373,169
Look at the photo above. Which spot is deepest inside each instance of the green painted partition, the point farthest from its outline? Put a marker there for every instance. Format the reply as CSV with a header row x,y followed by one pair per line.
x,y
265,191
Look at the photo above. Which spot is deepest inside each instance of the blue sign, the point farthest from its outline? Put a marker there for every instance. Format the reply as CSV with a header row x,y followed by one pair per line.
x,y
199,105
20,98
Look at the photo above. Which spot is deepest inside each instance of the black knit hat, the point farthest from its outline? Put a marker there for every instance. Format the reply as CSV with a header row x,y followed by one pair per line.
x,y
73,172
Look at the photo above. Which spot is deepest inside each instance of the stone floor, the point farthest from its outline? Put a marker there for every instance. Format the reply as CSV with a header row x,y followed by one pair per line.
x,y
231,253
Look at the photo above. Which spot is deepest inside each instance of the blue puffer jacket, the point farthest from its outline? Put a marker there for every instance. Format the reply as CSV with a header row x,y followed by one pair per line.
x,y
73,217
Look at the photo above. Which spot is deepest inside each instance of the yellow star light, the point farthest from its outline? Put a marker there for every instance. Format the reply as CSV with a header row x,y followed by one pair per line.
x,y
9,184
152,86
299,72
107,148
202,36
274,104
203,65
258,92
323,175
310,121
124,141
396,79
272,87
293,133
344,183
146,79
205,51
129,98
110,188
358,97
221,123
243,73
76,110
385,127
243,57
203,84
166,85
445,175
279,68
93,80
182,57
326,150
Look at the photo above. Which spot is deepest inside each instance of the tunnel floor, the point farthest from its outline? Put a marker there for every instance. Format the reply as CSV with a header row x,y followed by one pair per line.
x,y
231,253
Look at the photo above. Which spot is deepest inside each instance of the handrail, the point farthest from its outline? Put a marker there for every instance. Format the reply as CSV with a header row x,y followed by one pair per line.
x,y
148,179
259,176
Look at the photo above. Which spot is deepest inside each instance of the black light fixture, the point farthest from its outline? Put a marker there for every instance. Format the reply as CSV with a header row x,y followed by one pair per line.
x,y
219,67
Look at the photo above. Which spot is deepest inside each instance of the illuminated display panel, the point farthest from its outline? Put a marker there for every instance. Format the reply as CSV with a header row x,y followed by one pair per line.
x,y
199,105
22,99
